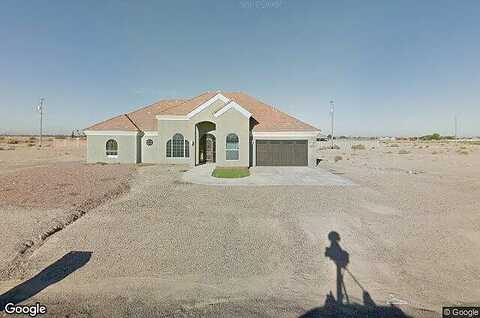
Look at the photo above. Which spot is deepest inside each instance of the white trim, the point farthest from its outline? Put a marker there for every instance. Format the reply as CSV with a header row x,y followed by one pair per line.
x,y
236,106
111,133
299,134
207,103
172,117
151,134
112,156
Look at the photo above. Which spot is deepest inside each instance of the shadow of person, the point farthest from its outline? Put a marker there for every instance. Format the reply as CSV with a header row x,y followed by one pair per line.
x,y
336,307
54,273
341,258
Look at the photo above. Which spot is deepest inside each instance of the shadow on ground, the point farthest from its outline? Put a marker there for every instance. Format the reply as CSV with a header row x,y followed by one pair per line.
x,y
54,273
341,306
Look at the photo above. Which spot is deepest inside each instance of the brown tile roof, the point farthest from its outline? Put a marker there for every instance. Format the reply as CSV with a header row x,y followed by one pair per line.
x,y
268,118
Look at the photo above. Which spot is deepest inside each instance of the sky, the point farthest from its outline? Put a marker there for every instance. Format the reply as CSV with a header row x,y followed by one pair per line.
x,y
392,67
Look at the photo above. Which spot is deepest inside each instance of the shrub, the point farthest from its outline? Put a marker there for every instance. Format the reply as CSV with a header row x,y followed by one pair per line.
x,y
462,152
358,147
394,145
403,152
337,158
12,141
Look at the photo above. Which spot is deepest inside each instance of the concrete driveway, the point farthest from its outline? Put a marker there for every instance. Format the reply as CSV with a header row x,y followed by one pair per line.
x,y
268,176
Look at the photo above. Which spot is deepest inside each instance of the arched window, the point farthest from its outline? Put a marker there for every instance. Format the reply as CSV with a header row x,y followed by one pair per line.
x,y
112,148
178,147
231,148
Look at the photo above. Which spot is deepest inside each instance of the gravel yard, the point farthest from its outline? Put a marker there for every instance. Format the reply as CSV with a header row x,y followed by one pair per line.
x,y
169,248
39,199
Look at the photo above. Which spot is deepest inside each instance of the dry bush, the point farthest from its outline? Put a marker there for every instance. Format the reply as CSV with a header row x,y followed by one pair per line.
x,y
435,152
337,158
358,147
403,152
12,141
462,152
31,145
394,145
2,138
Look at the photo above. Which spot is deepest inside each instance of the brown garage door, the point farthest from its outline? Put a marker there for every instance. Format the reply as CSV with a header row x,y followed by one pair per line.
x,y
282,152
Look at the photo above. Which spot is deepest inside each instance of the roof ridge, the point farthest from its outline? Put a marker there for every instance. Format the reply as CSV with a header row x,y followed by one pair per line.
x,y
153,104
128,117
185,101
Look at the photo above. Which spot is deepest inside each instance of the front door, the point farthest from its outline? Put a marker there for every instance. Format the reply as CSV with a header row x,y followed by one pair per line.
x,y
207,151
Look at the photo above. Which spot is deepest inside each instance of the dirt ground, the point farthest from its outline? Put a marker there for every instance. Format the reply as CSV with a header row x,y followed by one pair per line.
x,y
42,189
410,225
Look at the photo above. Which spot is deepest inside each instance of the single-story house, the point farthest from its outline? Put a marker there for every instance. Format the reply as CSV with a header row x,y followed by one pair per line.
x,y
229,129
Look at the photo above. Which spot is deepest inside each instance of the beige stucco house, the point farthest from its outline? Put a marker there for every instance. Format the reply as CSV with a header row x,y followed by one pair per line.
x,y
229,129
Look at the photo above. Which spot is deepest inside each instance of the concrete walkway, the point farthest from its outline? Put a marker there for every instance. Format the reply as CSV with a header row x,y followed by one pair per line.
x,y
268,176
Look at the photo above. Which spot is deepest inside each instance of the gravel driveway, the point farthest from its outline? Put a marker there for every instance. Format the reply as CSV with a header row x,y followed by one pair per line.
x,y
175,249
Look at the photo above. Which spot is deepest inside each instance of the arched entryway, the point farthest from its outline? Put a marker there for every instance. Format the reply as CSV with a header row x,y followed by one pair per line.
x,y
207,148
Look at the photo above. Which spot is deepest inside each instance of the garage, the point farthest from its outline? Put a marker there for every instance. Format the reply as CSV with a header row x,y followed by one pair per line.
x,y
282,152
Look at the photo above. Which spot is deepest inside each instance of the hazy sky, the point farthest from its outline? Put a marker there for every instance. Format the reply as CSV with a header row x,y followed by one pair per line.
x,y
392,67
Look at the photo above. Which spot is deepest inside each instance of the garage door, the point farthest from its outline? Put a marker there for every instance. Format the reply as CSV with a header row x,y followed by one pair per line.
x,y
282,152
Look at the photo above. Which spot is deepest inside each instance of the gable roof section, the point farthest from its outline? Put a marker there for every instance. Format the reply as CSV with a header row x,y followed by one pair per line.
x,y
142,119
268,118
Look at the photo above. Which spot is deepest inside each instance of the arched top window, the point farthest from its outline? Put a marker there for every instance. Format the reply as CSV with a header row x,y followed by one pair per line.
x,y
111,148
231,147
178,147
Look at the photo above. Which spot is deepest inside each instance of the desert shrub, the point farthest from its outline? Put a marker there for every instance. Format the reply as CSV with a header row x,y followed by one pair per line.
x,y
2,138
462,152
32,138
1,148
337,158
31,145
12,141
434,152
394,145
358,147
434,136
463,147
60,137
403,152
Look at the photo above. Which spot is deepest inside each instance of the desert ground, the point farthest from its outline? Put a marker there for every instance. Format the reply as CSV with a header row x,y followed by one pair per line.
x,y
155,246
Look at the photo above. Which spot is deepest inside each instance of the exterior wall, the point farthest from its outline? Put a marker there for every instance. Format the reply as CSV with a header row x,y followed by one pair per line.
x,y
311,142
150,154
127,148
166,130
230,122
233,122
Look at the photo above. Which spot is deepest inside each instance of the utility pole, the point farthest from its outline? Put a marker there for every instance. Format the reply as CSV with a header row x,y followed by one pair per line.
x,y
40,110
332,116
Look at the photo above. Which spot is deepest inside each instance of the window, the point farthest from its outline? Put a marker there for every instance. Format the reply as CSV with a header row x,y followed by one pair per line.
x,y
149,142
231,148
112,148
178,147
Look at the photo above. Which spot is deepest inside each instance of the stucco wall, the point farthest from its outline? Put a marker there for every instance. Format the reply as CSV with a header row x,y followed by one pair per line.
x,y
233,122
166,130
127,149
150,154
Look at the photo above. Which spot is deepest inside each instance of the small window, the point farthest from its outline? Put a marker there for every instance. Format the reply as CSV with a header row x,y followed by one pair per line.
x,y
149,142
232,149
178,147
112,148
